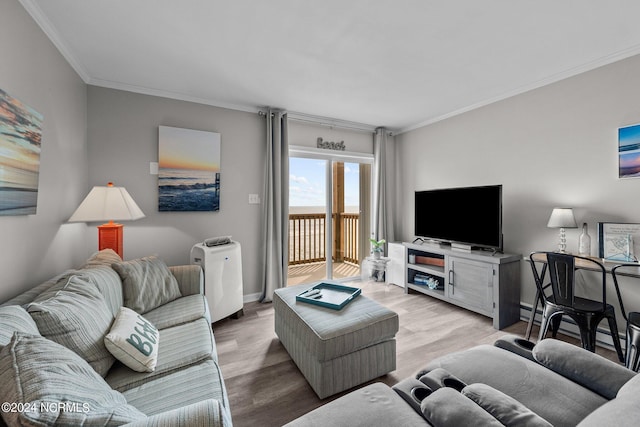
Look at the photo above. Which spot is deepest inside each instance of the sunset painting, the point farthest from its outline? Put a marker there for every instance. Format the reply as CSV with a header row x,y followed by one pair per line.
x,y
188,170
20,138
629,151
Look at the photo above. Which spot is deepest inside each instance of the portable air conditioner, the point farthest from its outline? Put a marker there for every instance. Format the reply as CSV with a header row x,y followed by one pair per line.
x,y
222,266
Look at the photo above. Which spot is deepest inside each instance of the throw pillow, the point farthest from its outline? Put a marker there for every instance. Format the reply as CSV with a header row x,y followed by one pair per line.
x,y
105,257
147,283
133,340
51,385
77,317
15,318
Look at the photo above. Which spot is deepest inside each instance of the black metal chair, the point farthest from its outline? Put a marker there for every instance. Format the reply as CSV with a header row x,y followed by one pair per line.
x,y
562,300
632,353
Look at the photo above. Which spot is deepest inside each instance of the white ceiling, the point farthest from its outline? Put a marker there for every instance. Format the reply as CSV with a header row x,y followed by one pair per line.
x,y
394,63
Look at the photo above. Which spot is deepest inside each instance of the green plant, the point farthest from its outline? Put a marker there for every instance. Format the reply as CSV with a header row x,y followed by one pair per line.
x,y
376,245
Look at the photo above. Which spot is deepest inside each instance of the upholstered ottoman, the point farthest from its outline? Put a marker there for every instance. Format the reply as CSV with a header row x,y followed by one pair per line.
x,y
336,349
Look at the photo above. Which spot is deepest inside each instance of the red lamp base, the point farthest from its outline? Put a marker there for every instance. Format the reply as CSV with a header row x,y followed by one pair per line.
x,y
110,237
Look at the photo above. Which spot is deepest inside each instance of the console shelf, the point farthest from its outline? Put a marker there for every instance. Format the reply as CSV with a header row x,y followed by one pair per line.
x,y
479,281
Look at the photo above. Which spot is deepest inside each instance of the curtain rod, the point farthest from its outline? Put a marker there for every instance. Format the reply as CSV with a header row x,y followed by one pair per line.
x,y
325,121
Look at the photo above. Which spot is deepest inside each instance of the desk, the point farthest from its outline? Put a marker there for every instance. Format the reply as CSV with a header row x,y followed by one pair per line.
x,y
629,272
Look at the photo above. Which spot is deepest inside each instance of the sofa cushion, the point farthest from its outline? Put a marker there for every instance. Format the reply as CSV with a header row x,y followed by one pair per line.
x,y
103,258
202,380
622,411
14,318
182,346
108,282
133,340
77,317
35,371
446,407
504,408
551,396
178,311
147,283
585,368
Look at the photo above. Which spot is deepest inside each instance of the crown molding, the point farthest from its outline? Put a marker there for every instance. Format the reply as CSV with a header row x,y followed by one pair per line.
x,y
571,72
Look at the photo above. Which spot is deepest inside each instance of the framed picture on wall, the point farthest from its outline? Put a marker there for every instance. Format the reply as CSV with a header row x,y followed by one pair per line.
x,y
188,170
20,141
618,242
629,151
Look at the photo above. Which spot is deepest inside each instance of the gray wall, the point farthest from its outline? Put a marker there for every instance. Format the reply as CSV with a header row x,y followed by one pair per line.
x,y
122,135
554,146
35,247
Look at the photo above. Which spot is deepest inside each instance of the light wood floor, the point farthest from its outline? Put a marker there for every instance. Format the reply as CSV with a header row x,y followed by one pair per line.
x,y
267,389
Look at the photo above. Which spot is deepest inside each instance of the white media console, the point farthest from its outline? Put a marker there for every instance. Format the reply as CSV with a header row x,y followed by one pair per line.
x,y
477,280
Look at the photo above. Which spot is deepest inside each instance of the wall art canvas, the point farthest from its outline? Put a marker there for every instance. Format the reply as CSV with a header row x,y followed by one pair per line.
x,y
629,152
20,140
188,170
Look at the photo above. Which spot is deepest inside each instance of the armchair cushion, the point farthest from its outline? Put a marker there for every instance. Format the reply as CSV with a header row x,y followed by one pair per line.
x,y
446,407
583,367
147,283
15,318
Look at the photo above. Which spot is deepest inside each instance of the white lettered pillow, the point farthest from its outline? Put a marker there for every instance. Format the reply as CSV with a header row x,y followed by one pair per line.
x,y
133,340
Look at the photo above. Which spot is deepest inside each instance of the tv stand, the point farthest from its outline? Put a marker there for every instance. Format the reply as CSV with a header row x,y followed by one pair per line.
x,y
488,284
461,247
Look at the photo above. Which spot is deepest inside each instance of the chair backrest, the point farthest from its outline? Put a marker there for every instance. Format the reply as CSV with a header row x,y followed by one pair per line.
x,y
632,270
562,273
562,277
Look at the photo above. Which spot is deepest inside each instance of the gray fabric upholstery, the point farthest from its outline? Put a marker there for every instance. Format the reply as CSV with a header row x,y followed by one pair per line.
x,y
336,349
375,405
108,282
446,407
179,311
504,408
14,318
186,386
181,346
623,411
585,368
35,370
77,317
190,279
147,283
207,413
329,333
103,258
551,396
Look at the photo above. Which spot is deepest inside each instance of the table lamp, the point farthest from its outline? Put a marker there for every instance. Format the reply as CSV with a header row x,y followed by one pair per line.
x,y
562,218
108,204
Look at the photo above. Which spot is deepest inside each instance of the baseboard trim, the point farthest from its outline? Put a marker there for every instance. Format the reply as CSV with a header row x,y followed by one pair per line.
x,y
251,297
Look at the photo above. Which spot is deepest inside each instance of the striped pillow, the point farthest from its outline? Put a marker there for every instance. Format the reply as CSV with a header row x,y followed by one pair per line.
x,y
15,318
147,283
77,317
53,386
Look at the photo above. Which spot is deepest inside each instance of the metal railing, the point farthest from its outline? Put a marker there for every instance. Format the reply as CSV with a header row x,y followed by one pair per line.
x,y
307,238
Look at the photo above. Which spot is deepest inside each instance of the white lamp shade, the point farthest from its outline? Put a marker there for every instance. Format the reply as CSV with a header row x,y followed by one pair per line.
x,y
562,218
107,204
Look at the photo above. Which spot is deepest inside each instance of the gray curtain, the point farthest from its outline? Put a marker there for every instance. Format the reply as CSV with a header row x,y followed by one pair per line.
x,y
276,206
383,206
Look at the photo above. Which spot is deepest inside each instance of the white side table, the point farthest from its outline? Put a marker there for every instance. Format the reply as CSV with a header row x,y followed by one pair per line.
x,y
374,268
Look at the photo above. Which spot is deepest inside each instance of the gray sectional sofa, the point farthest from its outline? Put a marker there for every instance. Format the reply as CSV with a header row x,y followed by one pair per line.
x,y
512,383
70,354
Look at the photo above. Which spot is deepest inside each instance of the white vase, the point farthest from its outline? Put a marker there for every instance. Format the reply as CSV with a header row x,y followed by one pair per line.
x,y
376,255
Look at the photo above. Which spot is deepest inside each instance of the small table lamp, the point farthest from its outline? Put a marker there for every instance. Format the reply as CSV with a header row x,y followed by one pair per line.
x,y
108,204
562,218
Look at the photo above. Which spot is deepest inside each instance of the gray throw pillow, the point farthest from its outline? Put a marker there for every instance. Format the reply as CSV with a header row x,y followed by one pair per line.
x,y
147,283
77,317
51,385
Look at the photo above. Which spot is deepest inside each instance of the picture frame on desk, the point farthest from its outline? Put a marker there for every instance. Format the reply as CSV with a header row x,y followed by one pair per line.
x,y
618,242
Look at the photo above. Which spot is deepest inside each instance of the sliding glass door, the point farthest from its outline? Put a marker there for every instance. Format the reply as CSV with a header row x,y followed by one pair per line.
x,y
329,204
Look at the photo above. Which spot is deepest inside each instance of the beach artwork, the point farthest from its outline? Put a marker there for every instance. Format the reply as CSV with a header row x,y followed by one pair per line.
x,y
629,152
20,140
188,170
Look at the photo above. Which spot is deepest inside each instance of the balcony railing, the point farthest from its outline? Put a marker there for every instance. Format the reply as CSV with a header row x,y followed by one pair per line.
x,y
307,238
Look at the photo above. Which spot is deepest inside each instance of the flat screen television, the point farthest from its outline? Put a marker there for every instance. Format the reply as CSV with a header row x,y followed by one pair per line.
x,y
471,216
